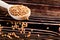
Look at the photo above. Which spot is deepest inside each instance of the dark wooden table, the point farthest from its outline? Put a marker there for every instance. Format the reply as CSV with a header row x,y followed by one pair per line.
x,y
38,16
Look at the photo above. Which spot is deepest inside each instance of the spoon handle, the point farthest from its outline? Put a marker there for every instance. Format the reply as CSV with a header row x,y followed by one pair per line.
x,y
3,4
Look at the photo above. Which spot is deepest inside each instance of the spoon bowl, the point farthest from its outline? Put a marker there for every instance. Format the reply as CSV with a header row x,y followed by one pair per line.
x,y
24,17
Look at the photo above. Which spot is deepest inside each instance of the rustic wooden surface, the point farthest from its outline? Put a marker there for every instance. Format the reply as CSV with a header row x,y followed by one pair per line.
x,y
40,13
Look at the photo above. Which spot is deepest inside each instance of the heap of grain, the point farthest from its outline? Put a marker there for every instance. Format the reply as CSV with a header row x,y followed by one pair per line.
x,y
19,10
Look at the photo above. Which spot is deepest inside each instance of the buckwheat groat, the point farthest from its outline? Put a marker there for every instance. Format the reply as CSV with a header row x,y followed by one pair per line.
x,y
19,10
